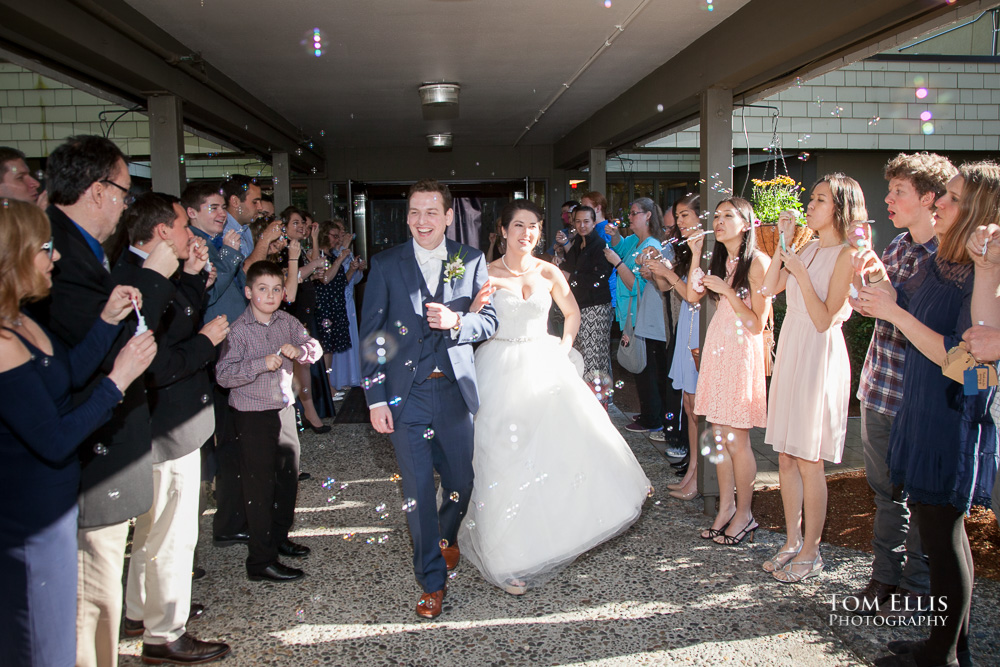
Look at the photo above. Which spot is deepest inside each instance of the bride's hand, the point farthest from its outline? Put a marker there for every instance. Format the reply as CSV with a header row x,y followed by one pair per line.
x,y
483,297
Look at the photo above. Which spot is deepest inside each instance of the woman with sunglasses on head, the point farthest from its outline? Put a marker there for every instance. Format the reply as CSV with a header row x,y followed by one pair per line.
x,y
943,446
641,305
41,426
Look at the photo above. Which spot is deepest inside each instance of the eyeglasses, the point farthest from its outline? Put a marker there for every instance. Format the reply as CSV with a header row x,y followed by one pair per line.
x,y
129,199
49,247
636,212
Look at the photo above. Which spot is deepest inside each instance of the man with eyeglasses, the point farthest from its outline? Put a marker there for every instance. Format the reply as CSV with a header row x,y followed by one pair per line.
x,y
89,186
16,181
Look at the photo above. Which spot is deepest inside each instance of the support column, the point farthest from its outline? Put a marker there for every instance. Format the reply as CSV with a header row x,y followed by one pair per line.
x,y
281,173
716,158
166,144
598,176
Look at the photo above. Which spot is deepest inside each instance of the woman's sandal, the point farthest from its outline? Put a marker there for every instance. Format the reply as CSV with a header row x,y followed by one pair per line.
x,y
789,575
776,562
711,533
733,540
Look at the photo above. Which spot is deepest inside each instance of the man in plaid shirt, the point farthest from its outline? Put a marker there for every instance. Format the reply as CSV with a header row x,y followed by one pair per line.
x,y
899,569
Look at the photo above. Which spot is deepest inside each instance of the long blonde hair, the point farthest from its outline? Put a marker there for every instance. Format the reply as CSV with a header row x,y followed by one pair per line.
x,y
979,205
23,230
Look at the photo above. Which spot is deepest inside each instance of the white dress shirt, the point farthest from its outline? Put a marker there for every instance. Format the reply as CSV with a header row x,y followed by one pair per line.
x,y
429,262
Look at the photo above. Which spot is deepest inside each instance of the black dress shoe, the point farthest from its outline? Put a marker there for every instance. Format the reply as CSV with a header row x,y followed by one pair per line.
x,y
276,572
185,650
680,472
289,548
319,430
303,476
135,628
198,573
681,463
230,540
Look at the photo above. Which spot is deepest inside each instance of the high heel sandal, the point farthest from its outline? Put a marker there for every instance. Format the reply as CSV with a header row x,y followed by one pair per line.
x,y
733,540
776,562
515,587
710,533
787,575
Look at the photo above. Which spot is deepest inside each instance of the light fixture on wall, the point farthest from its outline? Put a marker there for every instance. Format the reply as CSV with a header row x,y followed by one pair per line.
x,y
439,142
439,94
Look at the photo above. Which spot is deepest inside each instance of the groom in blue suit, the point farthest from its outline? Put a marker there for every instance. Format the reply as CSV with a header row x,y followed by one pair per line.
x,y
419,295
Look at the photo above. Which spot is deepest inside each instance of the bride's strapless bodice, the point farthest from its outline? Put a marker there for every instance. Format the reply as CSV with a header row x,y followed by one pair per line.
x,y
519,318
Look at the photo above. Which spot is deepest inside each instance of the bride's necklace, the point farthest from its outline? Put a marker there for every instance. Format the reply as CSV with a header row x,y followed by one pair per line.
x,y
503,260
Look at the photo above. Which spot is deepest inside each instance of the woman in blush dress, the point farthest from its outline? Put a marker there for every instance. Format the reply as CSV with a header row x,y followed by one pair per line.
x,y
731,392
943,446
811,381
41,426
554,478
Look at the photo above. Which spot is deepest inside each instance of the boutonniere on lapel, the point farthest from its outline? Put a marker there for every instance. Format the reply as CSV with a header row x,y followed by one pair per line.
x,y
455,268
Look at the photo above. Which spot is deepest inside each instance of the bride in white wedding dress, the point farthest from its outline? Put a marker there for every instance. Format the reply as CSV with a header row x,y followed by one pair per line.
x,y
554,478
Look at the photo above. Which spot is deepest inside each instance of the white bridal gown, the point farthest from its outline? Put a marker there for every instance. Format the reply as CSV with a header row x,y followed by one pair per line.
x,y
554,477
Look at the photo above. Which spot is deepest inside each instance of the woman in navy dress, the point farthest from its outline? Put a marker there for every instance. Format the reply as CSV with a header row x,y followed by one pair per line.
x,y
943,446
41,426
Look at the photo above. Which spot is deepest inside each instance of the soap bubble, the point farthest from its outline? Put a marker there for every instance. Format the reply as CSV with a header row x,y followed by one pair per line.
x,y
100,449
927,128
926,116
114,494
453,496
380,507
742,293
921,93
428,434
409,505
378,346
875,120
395,400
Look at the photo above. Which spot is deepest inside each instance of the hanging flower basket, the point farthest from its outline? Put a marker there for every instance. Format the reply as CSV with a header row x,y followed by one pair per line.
x,y
767,238
770,199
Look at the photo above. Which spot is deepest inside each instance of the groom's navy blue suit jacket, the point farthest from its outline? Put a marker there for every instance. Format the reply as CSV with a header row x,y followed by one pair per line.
x,y
393,301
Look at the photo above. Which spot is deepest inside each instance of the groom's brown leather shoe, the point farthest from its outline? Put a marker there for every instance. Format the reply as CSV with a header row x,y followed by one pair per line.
x,y
429,605
451,555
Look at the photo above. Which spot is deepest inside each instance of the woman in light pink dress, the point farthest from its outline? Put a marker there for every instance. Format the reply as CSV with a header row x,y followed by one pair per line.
x,y
731,390
811,382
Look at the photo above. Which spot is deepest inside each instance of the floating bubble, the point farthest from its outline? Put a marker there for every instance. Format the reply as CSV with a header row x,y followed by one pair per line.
x,y
409,505
428,434
344,486
452,574
927,128
875,120
619,384
742,293
330,481
453,496
100,449
926,116
114,494
659,108
513,427
798,82
395,400
921,93
837,111
670,416
300,615
803,156
607,4
804,138
380,507
326,323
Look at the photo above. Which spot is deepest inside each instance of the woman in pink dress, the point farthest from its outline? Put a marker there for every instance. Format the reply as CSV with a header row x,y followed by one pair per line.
x,y
731,391
811,382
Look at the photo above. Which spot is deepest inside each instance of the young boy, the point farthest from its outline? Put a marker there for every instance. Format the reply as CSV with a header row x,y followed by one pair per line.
x,y
256,365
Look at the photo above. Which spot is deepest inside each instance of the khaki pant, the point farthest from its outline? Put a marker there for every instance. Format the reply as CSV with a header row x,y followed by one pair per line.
x,y
100,559
159,574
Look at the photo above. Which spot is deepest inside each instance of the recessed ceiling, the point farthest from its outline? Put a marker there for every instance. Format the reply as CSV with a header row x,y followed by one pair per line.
x,y
511,58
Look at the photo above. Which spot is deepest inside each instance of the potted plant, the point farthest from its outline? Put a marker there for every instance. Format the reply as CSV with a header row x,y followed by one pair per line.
x,y
770,198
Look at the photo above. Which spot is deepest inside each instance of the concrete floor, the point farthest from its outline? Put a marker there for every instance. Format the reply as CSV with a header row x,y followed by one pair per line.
x,y
656,595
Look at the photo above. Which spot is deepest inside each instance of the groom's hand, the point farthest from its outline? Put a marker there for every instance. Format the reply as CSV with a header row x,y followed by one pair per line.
x,y
381,419
439,316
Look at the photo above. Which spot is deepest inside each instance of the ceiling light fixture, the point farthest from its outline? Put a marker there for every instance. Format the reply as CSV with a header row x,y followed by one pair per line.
x,y
440,142
439,94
